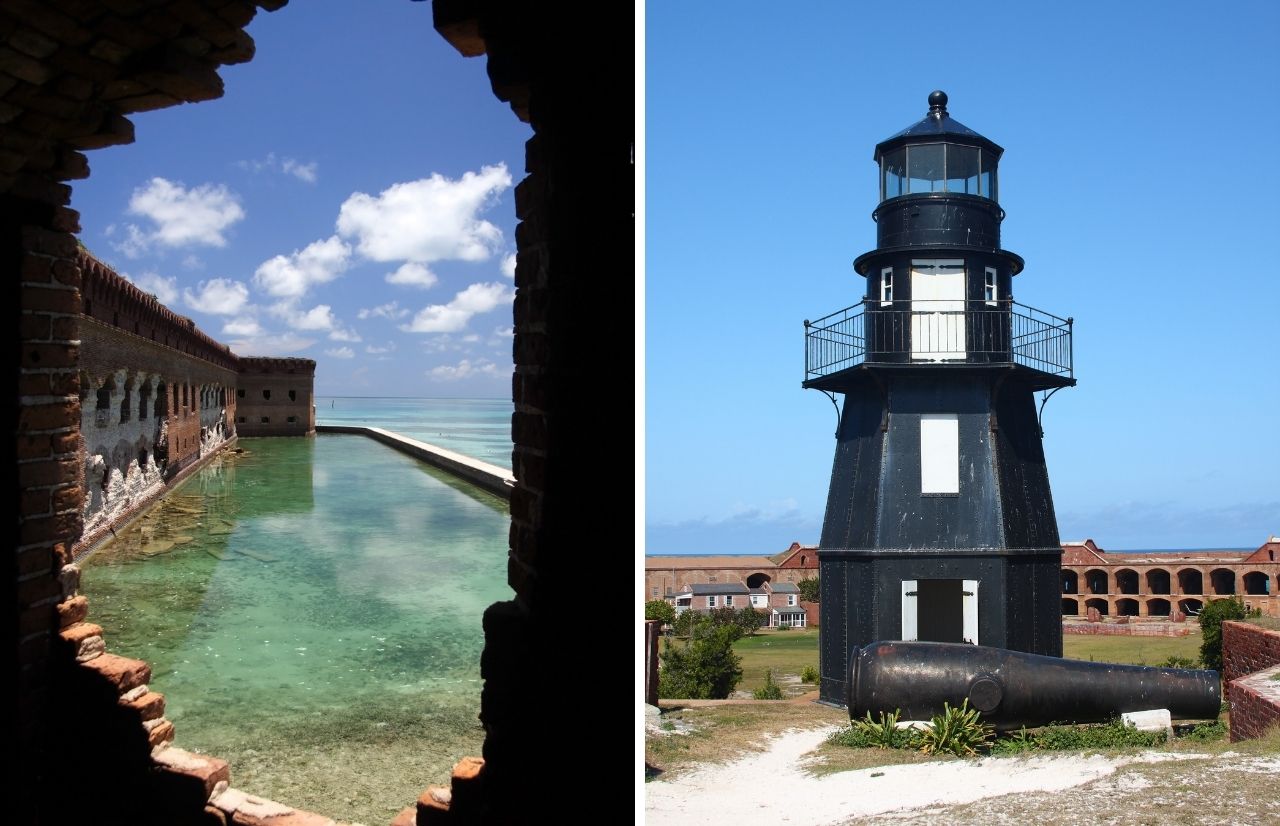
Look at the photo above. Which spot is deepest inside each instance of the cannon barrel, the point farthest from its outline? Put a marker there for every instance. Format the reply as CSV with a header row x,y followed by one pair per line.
x,y
1013,688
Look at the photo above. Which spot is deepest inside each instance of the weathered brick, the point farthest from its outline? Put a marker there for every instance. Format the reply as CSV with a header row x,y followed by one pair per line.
x,y
71,496
48,472
38,589
49,416
36,501
37,269
37,559
407,817
72,611
151,706
208,770
75,634
37,618
158,734
122,672
433,806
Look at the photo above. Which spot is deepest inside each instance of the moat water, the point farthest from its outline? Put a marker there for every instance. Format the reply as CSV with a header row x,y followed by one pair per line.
x,y
479,428
311,611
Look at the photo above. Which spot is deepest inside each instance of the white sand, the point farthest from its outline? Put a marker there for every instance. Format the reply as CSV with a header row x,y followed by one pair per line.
x,y
771,788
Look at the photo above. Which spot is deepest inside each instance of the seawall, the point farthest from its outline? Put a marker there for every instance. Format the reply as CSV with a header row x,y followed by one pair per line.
x,y
492,478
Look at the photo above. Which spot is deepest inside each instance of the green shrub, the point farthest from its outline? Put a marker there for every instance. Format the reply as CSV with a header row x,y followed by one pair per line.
x,y
809,674
1015,743
958,731
771,690
749,620
1216,730
880,734
1211,618
1110,735
661,610
1180,662
809,590
784,626
705,669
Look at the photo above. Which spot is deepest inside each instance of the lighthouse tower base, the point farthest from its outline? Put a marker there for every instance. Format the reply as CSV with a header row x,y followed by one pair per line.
x,y
939,523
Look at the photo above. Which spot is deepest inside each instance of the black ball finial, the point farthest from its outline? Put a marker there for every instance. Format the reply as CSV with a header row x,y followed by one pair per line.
x,y
937,102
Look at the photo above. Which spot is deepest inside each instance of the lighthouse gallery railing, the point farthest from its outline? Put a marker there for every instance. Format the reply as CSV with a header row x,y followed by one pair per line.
x,y
921,332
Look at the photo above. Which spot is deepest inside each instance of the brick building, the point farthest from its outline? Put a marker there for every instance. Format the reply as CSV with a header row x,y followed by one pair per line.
x,y
669,574
1159,584
158,397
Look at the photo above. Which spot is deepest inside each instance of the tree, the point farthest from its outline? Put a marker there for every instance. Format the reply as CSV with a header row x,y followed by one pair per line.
x,y
705,669
660,610
687,622
808,589
1211,618
749,620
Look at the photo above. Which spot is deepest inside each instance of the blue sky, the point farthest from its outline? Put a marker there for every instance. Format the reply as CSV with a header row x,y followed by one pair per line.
x,y
1139,178
349,199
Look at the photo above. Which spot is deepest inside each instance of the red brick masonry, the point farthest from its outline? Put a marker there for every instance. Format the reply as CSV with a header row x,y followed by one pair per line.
x,y
1250,656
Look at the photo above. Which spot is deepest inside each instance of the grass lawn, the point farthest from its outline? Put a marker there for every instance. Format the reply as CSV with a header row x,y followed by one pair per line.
x,y
1131,650
786,652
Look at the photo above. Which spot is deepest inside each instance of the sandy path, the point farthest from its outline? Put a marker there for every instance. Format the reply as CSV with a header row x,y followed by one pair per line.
x,y
771,788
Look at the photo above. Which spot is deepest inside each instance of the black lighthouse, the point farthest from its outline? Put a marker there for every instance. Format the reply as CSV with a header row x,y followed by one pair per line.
x,y
939,522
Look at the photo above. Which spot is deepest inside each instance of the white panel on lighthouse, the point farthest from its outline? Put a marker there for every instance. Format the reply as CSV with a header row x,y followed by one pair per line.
x,y
909,606
939,453
937,310
970,594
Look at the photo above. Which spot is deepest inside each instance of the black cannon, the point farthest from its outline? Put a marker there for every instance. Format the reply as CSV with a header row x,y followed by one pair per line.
x,y
1014,689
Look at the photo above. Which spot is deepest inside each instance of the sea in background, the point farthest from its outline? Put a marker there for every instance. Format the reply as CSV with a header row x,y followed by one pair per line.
x,y
311,610
479,428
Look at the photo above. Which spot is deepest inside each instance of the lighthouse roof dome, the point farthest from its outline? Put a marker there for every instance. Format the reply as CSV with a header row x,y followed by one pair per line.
x,y
937,126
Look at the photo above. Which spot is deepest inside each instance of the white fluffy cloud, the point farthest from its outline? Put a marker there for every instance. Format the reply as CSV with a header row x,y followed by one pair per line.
x,y
414,275
431,219
220,296
341,353
164,289
244,326
301,171
319,317
372,350
509,266
290,276
180,216
390,311
465,369
344,334
452,317
269,345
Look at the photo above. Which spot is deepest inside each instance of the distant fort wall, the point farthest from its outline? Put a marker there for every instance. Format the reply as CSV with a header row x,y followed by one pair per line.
x,y
159,398
276,397
492,478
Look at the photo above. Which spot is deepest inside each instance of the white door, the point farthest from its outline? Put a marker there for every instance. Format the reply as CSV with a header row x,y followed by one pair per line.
x,y
909,604
971,611
937,310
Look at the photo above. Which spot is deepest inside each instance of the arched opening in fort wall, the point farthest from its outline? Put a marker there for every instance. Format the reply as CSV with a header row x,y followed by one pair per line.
x,y
73,75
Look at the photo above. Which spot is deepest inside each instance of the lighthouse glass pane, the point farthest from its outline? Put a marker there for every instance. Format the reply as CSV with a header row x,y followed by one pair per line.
x,y
962,169
894,173
926,168
939,453
987,180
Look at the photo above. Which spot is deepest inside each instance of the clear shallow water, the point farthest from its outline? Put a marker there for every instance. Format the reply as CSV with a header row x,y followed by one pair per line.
x,y
479,428
311,611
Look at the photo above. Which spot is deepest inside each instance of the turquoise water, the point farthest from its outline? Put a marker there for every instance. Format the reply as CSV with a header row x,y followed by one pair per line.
x,y
479,428
311,611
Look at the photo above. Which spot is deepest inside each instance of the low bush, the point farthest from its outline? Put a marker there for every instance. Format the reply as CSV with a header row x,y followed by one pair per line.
x,y
784,626
770,691
706,669
1110,735
809,674
959,731
1180,662
1216,730
880,734
1211,618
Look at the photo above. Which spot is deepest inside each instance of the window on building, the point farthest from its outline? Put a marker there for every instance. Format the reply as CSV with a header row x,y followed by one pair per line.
x,y
104,397
655,590
239,392
886,286
266,419
711,602
989,287
142,458
240,419
293,419
293,395
266,394
126,405
728,600
791,600
939,453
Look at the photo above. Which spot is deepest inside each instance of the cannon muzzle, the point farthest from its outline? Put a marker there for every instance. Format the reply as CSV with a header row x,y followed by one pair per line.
x,y
1014,689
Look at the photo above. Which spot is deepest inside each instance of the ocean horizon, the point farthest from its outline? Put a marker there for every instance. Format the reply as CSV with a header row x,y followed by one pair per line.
x,y
479,428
